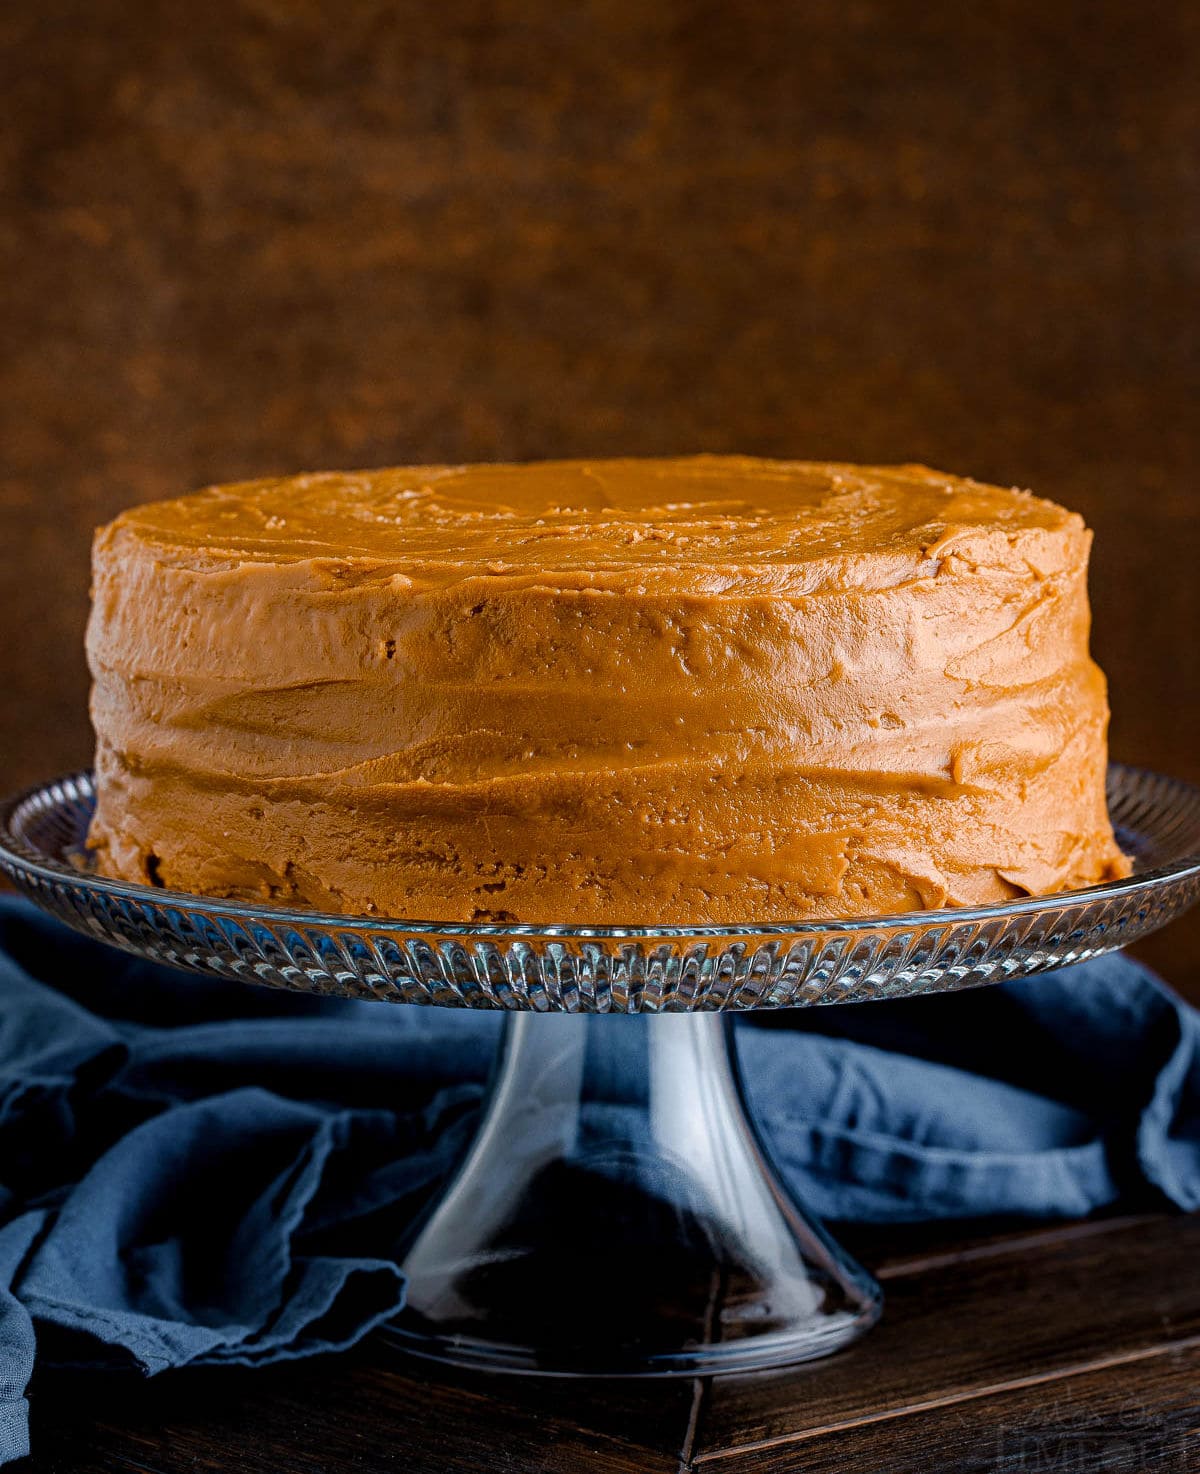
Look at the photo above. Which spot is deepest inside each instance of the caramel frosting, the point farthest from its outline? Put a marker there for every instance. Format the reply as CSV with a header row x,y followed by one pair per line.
x,y
713,689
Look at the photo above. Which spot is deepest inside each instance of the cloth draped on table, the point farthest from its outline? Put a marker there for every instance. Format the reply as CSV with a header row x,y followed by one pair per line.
x,y
194,1171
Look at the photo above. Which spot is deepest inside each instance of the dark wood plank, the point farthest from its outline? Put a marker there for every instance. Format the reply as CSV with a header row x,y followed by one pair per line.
x,y
371,1403
903,1249
1134,1418
353,1414
955,1330
651,1415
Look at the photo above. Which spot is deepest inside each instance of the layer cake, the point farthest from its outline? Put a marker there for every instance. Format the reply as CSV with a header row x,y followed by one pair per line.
x,y
712,689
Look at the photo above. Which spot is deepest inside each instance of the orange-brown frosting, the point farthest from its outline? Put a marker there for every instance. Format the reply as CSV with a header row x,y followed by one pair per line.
x,y
680,691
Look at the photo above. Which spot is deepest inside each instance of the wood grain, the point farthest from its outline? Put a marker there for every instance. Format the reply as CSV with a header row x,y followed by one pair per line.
x,y
983,1323
357,1413
1142,1415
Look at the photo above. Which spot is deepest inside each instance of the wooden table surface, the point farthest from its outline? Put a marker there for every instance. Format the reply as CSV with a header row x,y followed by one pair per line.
x,y
248,237
1066,1348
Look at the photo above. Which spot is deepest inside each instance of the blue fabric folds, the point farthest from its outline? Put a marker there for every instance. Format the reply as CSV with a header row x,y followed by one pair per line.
x,y
199,1172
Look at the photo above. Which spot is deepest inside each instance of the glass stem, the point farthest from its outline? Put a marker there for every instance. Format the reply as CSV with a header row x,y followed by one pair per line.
x,y
617,1213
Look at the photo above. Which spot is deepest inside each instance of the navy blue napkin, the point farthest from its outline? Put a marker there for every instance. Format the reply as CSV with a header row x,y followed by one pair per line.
x,y
194,1171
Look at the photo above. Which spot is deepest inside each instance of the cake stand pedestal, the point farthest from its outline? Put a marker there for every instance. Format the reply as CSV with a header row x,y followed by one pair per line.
x,y
616,1213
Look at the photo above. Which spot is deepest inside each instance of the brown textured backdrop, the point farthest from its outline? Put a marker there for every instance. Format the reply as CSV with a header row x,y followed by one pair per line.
x,y
260,236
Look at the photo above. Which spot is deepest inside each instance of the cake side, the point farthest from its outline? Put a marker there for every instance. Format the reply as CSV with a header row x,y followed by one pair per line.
x,y
819,691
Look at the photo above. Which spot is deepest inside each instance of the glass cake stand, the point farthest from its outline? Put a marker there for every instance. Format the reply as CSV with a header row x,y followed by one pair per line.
x,y
616,1213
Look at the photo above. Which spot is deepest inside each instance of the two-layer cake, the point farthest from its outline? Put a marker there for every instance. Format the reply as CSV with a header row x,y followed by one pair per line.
x,y
702,690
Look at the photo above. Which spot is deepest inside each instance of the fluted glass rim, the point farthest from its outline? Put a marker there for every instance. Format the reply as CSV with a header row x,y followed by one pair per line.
x,y
22,860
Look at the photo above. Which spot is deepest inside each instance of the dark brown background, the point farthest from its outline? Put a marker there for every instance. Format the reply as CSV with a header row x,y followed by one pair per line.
x,y
263,236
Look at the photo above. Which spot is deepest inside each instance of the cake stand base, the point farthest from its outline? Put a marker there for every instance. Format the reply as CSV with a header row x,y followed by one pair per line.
x,y
616,1216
